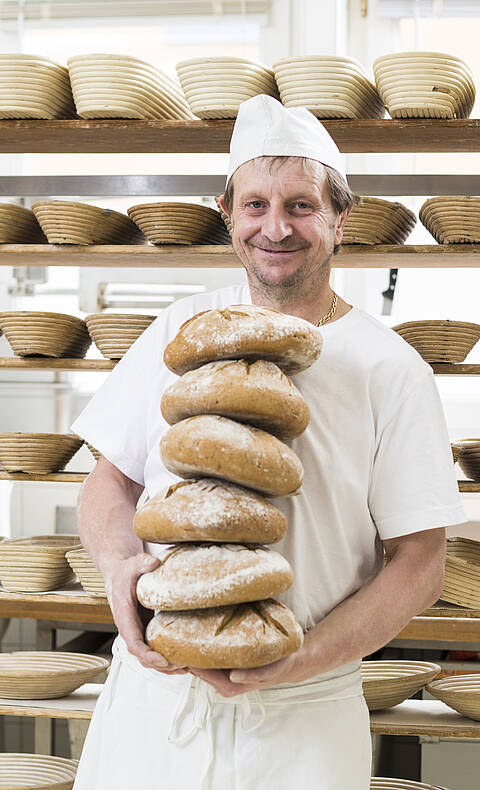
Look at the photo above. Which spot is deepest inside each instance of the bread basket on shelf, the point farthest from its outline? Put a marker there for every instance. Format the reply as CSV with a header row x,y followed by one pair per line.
x,y
469,458
40,334
452,219
36,564
440,341
114,333
37,453
388,683
36,772
70,222
179,223
461,584
376,221
460,692
46,675
89,577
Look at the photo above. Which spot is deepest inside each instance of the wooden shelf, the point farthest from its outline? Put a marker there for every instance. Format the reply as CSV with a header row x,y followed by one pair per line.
x,y
468,487
423,717
115,136
63,607
48,363
102,365
350,256
57,477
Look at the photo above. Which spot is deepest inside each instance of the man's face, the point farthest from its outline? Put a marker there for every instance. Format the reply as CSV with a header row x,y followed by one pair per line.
x,y
284,227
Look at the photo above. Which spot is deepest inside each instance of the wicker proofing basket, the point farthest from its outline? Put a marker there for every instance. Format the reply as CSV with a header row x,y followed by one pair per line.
x,y
376,221
34,333
114,333
469,458
89,577
388,683
32,771
440,341
453,219
36,564
70,222
18,225
37,453
179,223
460,692
461,584
47,674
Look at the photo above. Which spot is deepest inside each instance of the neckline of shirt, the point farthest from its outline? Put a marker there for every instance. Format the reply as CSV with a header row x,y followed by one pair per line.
x,y
339,323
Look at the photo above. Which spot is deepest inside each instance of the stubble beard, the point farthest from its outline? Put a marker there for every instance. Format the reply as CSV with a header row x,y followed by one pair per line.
x,y
298,286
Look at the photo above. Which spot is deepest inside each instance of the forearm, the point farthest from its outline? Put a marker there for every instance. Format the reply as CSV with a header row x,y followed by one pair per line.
x,y
106,507
374,615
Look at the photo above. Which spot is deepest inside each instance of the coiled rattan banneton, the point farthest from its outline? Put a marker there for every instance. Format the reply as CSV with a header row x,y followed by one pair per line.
x,y
37,453
460,692
114,333
376,221
36,564
461,584
179,223
469,458
89,577
35,333
452,219
70,222
440,341
46,674
388,683
32,771
34,87
18,225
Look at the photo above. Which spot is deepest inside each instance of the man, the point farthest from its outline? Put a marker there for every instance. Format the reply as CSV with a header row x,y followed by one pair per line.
x,y
378,477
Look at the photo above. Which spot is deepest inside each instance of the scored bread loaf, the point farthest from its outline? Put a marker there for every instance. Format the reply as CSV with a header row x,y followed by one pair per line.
x,y
226,637
251,391
244,332
218,447
209,509
200,576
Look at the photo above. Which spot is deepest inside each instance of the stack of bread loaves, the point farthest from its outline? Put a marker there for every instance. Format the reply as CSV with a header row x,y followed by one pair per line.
x,y
231,411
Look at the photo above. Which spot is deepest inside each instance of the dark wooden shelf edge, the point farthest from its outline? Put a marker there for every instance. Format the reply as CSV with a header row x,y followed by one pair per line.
x,y
124,136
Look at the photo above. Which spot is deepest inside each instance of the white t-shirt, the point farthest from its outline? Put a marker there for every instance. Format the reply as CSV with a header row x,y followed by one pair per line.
x,y
376,453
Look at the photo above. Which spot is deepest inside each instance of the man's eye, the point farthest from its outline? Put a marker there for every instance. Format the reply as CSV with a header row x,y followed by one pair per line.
x,y
301,204
255,204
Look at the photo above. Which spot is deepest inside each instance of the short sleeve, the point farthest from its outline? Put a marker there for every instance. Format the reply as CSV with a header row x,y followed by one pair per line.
x,y
115,421
413,484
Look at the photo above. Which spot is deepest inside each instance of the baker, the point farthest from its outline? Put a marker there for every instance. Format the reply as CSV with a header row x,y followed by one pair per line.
x,y
378,479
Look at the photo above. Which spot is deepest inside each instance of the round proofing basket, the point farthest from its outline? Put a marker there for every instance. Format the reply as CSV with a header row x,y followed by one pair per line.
x,y
89,577
179,223
19,225
388,683
37,453
461,585
35,333
452,219
70,222
379,221
114,333
440,341
46,675
460,692
469,458
32,771
36,564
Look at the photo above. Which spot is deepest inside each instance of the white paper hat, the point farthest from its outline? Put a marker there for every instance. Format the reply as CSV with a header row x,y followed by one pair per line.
x,y
264,127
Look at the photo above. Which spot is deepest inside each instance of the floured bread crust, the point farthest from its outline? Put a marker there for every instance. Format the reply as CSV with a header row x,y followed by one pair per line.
x,y
251,391
197,577
213,446
209,509
244,332
227,637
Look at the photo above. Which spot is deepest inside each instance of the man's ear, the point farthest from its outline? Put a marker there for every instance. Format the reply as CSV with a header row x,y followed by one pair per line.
x,y
221,201
340,224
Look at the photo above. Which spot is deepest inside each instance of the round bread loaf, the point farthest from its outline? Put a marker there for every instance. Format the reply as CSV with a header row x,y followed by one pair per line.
x,y
251,391
209,509
244,332
218,447
226,637
197,577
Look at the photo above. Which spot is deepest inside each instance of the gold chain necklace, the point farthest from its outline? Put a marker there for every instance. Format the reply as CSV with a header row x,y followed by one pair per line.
x,y
330,313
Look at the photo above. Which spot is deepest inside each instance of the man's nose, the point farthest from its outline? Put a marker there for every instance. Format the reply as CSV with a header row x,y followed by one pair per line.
x,y
276,224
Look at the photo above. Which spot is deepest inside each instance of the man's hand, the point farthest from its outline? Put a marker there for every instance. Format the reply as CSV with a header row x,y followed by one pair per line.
x,y
121,587
292,669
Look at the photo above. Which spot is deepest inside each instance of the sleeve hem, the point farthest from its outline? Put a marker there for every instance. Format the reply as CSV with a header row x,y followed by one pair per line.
x,y
128,466
421,520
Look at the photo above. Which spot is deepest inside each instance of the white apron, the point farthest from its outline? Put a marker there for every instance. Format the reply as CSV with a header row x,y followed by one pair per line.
x,y
152,731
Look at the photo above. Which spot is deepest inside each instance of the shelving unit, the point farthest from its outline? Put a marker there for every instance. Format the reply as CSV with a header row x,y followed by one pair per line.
x,y
439,624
